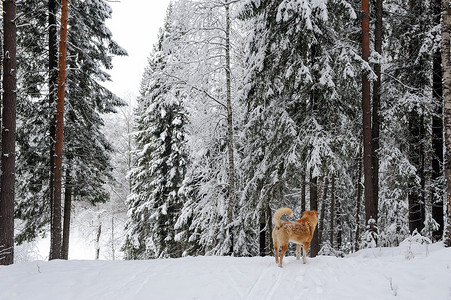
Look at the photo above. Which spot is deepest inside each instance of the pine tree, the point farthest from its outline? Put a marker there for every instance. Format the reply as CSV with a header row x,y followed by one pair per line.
x,y
446,61
437,187
56,220
7,184
90,51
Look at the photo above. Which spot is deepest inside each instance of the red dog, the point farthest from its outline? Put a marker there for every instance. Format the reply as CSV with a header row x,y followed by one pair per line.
x,y
299,232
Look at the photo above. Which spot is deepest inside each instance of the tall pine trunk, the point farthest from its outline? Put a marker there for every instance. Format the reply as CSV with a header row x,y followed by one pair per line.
x,y
370,207
358,203
53,82
67,213
376,103
8,158
446,62
437,129
56,245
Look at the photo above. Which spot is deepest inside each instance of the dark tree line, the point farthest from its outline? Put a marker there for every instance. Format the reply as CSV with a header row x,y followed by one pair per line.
x,y
49,174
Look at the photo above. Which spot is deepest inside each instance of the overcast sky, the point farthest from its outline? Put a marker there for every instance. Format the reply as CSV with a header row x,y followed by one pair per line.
x,y
135,26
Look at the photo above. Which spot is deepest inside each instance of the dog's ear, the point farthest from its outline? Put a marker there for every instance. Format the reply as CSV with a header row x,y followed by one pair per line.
x,y
316,213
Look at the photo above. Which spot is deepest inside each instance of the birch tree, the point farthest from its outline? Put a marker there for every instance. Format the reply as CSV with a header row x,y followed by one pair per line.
x,y
202,68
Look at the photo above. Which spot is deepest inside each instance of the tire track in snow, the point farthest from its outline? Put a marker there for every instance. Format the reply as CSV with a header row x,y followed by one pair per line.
x,y
276,285
255,286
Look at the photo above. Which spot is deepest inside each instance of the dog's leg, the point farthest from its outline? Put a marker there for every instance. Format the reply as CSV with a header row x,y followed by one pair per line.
x,y
276,252
282,253
306,245
298,251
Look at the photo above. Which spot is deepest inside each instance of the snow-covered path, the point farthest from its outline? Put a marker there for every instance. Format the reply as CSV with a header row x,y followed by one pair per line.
x,y
369,274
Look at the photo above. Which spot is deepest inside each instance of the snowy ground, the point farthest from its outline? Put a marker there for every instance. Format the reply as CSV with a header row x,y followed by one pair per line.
x,y
382,273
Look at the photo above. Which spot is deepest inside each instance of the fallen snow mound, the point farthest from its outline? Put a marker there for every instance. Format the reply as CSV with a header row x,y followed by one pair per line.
x,y
403,272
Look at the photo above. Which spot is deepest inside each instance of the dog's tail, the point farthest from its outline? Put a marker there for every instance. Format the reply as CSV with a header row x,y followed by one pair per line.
x,y
279,213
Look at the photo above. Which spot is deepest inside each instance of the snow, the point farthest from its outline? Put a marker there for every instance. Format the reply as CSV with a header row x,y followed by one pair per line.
x,y
378,273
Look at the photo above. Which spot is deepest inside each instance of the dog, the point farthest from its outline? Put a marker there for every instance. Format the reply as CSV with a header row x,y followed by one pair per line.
x,y
299,232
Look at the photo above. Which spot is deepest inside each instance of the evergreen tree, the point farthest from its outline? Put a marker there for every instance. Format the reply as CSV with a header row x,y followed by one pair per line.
x,y
155,202
446,60
90,51
302,79
407,111
8,140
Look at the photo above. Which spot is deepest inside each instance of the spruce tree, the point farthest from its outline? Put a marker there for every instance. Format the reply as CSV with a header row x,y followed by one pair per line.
x,y
90,51
302,75
155,202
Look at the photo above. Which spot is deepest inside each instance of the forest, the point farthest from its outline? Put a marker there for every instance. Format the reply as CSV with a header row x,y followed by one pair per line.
x,y
245,106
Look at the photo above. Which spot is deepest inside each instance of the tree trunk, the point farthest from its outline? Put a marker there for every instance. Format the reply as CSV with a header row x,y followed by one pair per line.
x,y
53,82
323,211
416,156
359,197
55,247
113,248
314,245
8,134
370,205
304,184
437,130
229,127
332,213
262,238
67,213
269,242
99,233
339,215
376,103
446,62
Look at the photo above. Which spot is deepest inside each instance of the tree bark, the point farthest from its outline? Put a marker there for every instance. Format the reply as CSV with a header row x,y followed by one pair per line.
x,y
446,62
229,127
304,184
376,103
314,245
55,247
339,217
262,238
416,156
332,213
269,229
99,232
370,205
323,211
53,82
67,213
8,158
113,248
437,129
358,203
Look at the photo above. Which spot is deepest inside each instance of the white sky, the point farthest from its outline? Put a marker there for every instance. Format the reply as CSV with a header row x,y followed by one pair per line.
x,y
135,26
